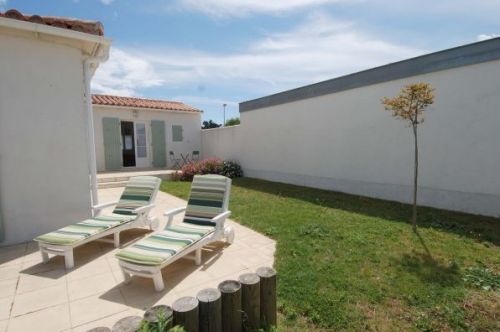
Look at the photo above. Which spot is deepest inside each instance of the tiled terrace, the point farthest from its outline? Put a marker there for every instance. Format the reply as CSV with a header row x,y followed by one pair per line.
x,y
50,298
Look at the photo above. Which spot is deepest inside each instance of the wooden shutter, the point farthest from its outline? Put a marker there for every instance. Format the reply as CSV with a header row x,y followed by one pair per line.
x,y
112,145
158,142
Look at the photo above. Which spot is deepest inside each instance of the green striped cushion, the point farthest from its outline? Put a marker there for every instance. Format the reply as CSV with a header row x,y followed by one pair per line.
x,y
206,199
157,248
82,230
137,193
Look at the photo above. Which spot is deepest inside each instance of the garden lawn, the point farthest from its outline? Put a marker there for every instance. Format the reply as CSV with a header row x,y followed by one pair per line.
x,y
353,263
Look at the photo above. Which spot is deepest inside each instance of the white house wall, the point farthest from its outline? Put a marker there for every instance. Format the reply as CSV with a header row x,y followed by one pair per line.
x,y
44,175
345,141
190,122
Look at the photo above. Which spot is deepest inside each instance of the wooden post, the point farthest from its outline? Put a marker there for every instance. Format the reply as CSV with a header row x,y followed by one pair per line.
x,y
127,324
153,314
268,310
210,310
231,305
186,313
250,300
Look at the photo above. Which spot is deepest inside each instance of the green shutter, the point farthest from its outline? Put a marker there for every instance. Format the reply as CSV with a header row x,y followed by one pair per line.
x,y
159,149
111,134
177,133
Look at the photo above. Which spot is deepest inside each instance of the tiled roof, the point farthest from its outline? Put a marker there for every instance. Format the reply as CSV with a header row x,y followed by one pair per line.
x,y
91,27
108,100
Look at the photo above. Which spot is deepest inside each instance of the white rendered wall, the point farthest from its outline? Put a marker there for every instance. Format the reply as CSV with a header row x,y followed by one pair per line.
x,y
44,175
190,122
345,141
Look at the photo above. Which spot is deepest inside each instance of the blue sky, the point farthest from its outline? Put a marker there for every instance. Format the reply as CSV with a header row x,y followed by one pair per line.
x,y
210,52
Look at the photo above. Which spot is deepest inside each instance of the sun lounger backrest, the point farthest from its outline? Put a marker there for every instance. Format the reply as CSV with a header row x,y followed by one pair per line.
x,y
209,197
139,191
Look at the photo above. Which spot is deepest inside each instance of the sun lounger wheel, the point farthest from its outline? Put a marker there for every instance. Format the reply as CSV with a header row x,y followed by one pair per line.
x,y
229,234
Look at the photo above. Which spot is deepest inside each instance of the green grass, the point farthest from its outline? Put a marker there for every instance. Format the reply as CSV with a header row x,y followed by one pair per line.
x,y
353,263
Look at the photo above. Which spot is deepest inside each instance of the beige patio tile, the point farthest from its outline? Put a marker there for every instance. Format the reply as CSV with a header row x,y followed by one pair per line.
x,y
90,269
8,287
12,255
5,307
140,293
96,307
85,287
3,325
32,282
39,299
51,319
108,321
10,272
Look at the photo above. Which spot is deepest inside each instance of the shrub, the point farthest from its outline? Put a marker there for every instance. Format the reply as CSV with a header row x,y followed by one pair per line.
x,y
205,166
231,169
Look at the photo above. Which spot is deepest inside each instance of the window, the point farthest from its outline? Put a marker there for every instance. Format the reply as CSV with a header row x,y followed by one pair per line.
x,y
176,133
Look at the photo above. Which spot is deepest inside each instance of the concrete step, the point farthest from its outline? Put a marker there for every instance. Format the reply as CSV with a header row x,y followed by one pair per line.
x,y
112,184
113,179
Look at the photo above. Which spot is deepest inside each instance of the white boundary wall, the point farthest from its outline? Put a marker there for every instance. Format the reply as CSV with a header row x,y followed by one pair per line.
x,y
346,142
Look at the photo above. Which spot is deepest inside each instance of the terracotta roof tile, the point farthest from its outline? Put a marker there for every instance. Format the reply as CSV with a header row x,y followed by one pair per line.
x,y
91,27
109,100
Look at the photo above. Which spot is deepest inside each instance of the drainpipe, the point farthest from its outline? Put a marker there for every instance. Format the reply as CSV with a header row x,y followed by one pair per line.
x,y
89,64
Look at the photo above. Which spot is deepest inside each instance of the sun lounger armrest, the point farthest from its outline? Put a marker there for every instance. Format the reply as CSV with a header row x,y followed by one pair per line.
x,y
171,213
144,209
99,207
220,218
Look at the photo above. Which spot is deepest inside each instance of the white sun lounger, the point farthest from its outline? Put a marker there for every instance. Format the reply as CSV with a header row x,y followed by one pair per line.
x,y
203,223
131,211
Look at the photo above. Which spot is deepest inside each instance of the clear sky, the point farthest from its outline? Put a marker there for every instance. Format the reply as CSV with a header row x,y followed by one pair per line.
x,y
210,52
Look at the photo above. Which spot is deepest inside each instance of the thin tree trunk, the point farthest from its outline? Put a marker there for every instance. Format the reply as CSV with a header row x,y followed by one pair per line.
x,y
415,181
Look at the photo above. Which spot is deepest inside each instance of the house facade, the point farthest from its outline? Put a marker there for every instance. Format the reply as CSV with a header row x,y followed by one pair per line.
x,y
135,133
45,137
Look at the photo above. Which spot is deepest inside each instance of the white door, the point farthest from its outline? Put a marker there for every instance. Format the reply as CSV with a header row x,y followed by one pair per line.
x,y
141,145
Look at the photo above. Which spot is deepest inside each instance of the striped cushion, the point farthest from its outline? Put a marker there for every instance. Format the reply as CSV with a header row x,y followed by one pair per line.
x,y
206,199
157,248
82,230
137,193
205,202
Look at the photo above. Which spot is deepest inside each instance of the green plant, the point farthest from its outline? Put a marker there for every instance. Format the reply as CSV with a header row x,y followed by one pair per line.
x,y
482,277
210,124
231,169
232,122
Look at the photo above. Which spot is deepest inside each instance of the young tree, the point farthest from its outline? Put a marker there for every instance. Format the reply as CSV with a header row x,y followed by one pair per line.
x,y
409,106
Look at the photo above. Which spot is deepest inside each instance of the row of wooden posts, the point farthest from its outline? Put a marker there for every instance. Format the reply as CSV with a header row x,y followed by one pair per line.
x,y
246,304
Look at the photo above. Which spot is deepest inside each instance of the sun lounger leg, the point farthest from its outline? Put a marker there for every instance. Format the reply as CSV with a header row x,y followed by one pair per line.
x,y
229,234
68,259
45,255
126,277
197,256
116,238
158,281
